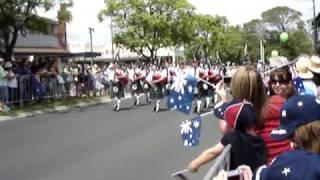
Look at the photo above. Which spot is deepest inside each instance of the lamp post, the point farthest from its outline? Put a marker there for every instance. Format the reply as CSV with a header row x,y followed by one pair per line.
x,y
90,31
111,29
314,27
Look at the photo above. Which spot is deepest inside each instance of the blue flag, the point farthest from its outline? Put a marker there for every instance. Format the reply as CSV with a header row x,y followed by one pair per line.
x,y
181,93
190,131
298,85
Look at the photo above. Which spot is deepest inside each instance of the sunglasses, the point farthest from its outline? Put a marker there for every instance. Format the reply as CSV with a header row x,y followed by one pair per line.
x,y
280,81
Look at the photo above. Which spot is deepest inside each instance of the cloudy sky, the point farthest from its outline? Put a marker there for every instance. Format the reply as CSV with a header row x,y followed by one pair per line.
x,y
237,12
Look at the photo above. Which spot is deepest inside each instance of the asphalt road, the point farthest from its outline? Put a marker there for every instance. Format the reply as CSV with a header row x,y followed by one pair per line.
x,y
96,143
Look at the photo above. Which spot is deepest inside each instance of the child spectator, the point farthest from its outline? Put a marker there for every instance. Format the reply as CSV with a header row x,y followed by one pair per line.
x,y
247,148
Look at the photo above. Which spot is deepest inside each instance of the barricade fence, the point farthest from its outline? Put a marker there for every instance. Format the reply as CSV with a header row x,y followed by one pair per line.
x,y
34,87
222,162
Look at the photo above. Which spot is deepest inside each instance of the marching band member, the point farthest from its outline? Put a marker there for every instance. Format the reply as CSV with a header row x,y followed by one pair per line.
x,y
213,78
157,79
198,72
137,77
118,82
171,74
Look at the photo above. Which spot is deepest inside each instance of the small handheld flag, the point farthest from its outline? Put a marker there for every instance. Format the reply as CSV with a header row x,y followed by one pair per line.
x,y
181,93
190,131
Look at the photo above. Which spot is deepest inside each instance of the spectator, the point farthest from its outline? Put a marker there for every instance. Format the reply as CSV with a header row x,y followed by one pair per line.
x,y
246,147
3,86
314,67
247,84
300,122
280,88
12,83
306,75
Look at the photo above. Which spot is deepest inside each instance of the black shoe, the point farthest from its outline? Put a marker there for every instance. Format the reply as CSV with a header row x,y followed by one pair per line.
x,y
135,102
154,109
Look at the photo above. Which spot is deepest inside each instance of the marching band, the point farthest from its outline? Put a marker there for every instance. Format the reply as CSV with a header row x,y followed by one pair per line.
x,y
154,81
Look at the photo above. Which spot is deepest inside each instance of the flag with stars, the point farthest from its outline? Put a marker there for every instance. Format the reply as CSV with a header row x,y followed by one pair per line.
x,y
298,85
181,93
297,81
190,131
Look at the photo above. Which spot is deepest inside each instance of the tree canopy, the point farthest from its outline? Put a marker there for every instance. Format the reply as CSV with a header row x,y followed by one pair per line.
x,y
147,24
152,24
16,16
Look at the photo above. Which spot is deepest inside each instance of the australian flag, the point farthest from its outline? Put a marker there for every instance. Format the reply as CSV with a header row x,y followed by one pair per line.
x,y
298,85
181,93
190,131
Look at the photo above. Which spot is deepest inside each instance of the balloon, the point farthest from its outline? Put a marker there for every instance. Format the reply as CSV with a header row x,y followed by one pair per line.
x,y
274,53
284,37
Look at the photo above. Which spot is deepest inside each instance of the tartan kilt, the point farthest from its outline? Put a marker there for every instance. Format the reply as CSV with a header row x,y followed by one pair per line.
x,y
211,91
117,90
202,91
137,87
157,92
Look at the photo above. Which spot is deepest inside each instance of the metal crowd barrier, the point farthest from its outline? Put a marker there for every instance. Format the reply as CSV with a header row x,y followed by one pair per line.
x,y
222,162
35,87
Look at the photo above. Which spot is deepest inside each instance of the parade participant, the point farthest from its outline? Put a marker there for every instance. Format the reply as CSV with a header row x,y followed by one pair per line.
x,y
145,69
300,122
213,78
246,147
171,75
157,79
137,77
201,88
119,81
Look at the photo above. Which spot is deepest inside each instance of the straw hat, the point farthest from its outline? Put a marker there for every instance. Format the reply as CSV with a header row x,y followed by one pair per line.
x,y
302,68
314,64
276,62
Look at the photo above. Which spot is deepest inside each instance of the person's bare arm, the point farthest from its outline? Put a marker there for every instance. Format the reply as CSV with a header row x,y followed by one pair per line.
x,y
205,157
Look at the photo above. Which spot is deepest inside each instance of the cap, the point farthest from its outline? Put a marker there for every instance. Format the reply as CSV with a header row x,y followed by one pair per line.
x,y
295,112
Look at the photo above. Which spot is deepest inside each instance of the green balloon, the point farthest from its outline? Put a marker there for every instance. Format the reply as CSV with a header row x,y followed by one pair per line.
x,y
284,37
274,53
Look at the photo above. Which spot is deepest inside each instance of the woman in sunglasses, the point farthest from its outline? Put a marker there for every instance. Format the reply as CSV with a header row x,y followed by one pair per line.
x,y
280,88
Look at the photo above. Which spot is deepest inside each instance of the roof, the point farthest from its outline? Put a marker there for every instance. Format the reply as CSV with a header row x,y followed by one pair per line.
x,y
40,51
38,40
85,54
100,59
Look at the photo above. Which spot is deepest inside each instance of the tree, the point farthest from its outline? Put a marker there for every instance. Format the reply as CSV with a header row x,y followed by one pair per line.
x,y
144,26
231,45
205,32
281,19
273,23
16,16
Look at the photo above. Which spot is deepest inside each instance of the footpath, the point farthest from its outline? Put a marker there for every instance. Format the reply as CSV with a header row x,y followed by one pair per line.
x,y
54,107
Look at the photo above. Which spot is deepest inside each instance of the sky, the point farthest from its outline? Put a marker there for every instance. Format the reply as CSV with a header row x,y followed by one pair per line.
x,y
237,12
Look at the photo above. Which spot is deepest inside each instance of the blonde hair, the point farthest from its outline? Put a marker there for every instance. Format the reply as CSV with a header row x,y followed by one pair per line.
x,y
247,83
307,137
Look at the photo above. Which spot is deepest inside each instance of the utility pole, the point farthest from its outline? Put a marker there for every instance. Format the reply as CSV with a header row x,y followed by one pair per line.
x,y
111,28
90,31
315,37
